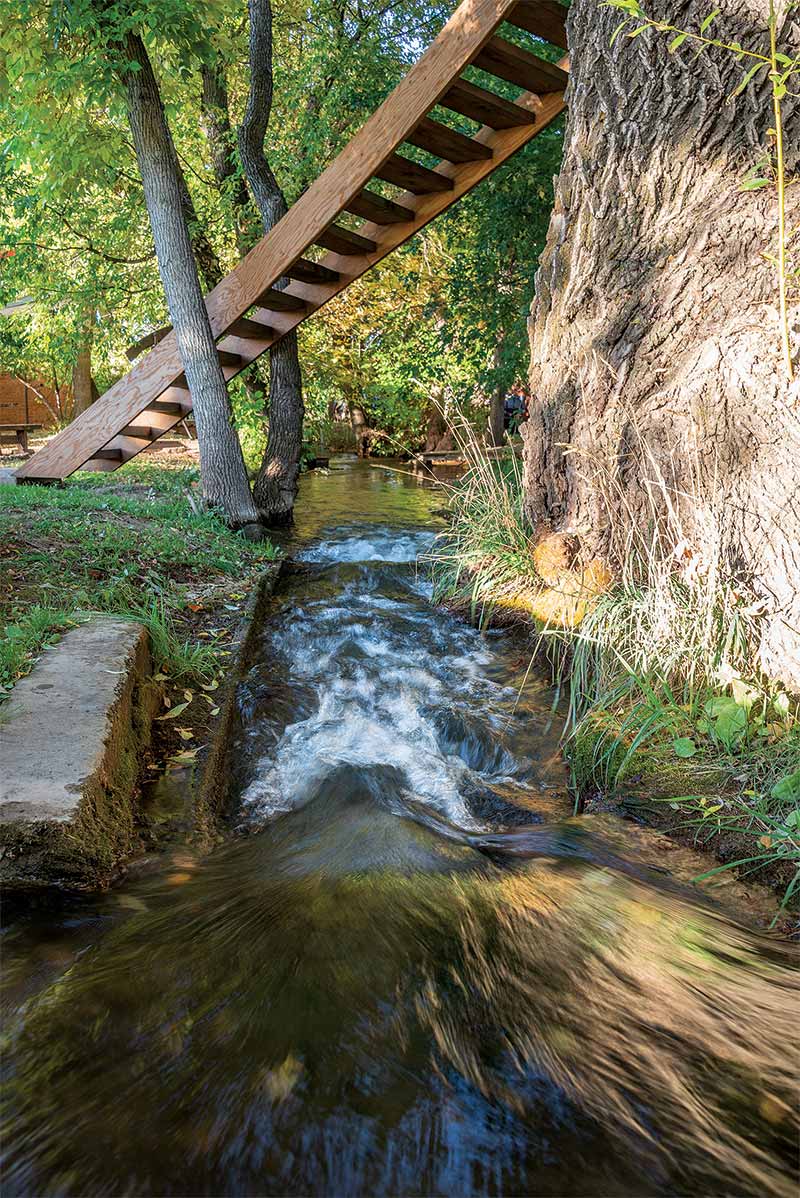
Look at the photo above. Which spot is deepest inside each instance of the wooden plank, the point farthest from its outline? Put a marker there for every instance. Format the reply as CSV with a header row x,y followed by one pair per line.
x,y
226,358
419,180
169,407
344,241
280,301
515,65
243,327
371,206
544,18
446,143
484,106
467,31
312,272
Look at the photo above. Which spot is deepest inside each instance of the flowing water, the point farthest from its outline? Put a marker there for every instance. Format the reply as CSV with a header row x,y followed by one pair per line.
x,y
409,970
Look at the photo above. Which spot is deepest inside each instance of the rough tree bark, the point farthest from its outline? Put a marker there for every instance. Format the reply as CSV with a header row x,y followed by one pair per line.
x,y
654,331
276,486
222,468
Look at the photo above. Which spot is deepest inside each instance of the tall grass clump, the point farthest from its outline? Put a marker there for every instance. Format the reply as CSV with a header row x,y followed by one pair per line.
x,y
487,549
666,702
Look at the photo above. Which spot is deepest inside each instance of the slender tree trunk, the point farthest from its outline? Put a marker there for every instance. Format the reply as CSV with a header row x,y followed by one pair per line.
x,y
276,486
84,392
222,146
221,140
655,351
497,402
222,467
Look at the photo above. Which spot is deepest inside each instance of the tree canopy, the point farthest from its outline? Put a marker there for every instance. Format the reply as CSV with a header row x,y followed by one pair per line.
x,y
444,316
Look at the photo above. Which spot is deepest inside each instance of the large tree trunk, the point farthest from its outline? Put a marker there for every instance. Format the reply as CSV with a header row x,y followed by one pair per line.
x,y
222,468
276,486
654,336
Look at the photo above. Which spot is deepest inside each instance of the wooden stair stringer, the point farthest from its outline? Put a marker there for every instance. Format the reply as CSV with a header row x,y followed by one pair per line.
x,y
154,376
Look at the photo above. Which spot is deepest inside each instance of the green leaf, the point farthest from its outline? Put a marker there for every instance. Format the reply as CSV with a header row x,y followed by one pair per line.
x,y
677,41
707,20
638,30
754,184
747,77
729,720
684,746
170,715
787,789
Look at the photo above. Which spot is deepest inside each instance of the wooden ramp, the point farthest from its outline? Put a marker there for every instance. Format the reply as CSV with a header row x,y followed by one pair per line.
x,y
248,314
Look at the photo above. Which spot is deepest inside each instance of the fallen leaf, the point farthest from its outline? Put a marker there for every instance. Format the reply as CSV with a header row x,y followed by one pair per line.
x,y
175,711
211,686
214,711
188,696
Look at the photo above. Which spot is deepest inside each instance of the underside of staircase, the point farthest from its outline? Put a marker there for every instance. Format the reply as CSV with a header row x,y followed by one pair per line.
x,y
248,314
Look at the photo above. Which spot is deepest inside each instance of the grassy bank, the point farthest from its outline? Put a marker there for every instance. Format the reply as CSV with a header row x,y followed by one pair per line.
x,y
134,544
656,649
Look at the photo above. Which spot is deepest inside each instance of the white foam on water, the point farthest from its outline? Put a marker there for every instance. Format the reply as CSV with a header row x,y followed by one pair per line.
x,y
378,545
381,665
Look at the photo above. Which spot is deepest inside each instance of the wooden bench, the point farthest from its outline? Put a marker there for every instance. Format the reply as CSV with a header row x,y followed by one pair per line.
x,y
18,433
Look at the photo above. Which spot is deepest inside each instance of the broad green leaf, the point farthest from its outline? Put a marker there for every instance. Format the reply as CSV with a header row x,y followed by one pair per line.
x,y
684,746
787,789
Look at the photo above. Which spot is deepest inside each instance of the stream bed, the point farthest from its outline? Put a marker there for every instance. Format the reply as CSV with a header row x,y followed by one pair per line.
x,y
409,970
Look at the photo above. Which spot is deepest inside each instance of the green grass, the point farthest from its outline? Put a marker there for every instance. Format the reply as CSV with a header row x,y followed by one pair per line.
x,y
86,547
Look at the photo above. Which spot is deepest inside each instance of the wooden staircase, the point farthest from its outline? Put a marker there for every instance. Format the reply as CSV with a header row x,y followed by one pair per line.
x,y
248,314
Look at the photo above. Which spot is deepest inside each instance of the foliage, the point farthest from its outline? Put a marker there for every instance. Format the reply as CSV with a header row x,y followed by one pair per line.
x,y
444,317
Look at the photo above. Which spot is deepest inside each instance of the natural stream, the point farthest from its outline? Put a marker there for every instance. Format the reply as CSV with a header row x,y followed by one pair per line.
x,y
409,970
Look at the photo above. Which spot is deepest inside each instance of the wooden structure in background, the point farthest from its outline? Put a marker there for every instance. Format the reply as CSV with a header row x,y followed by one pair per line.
x,y
22,403
247,314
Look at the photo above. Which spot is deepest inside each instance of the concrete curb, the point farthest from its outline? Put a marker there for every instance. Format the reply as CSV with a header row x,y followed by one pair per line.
x,y
72,733
212,789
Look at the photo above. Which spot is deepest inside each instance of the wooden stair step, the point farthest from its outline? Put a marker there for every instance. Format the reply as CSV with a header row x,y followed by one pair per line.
x,y
228,359
305,271
168,407
507,61
371,206
141,431
252,330
485,107
446,143
280,301
544,18
343,241
412,177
